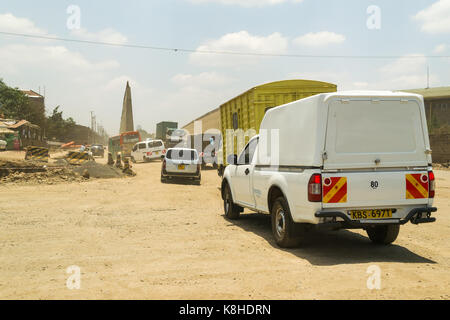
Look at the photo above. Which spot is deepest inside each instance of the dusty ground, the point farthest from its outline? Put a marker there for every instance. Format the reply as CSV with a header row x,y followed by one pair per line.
x,y
138,238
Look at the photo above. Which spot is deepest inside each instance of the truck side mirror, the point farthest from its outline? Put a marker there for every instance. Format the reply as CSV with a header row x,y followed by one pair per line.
x,y
232,159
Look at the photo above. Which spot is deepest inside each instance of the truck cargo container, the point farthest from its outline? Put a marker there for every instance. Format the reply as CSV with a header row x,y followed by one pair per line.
x,y
163,127
247,110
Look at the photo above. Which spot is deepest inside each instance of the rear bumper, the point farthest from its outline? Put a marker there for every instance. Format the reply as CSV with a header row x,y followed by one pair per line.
x,y
415,216
166,174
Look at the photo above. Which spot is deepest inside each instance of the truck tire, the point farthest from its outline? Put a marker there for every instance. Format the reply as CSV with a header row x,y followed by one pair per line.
x,y
231,210
383,234
286,232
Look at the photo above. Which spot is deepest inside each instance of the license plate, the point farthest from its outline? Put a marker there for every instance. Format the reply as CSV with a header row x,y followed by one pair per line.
x,y
181,167
157,152
371,214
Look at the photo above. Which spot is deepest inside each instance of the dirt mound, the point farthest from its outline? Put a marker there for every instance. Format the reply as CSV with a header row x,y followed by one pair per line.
x,y
16,171
19,164
99,171
50,176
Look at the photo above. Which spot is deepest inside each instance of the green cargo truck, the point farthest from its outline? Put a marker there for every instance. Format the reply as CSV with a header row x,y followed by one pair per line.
x,y
246,111
164,128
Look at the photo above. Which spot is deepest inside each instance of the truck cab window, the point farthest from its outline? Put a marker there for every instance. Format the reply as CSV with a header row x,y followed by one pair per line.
x,y
246,156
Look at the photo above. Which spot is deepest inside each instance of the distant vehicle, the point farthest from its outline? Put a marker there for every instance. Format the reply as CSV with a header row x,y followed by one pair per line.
x,y
181,163
123,143
163,128
3,145
148,150
346,160
98,150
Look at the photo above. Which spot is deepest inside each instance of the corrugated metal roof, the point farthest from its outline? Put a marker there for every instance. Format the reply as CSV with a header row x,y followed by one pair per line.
x,y
431,93
31,94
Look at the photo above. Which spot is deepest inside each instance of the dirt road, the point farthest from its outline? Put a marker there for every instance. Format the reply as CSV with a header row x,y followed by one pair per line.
x,y
138,238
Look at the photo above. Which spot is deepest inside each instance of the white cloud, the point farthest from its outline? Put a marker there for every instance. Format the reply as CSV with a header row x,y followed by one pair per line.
x,y
406,65
436,18
246,3
440,48
107,35
204,79
241,41
319,39
13,24
407,72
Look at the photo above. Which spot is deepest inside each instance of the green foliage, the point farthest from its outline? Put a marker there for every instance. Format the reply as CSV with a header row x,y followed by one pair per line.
x,y
14,104
57,126
144,134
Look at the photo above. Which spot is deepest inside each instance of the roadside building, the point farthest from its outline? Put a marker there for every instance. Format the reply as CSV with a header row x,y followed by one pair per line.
x,y
21,133
437,108
210,120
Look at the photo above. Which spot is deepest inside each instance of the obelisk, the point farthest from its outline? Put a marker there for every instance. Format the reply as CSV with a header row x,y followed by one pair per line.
x,y
126,122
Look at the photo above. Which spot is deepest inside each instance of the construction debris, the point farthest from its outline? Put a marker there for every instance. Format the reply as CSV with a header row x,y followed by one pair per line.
x,y
30,172
50,176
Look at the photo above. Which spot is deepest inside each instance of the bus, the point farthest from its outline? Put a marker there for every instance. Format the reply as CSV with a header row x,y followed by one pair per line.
x,y
123,143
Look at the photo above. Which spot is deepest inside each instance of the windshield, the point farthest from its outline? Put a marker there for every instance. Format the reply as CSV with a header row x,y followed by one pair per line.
x,y
130,138
181,154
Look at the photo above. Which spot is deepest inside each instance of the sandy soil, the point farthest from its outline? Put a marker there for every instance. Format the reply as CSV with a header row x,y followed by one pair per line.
x,y
135,238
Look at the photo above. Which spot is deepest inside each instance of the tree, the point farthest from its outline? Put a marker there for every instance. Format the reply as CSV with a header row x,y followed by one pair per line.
x,y
14,104
57,127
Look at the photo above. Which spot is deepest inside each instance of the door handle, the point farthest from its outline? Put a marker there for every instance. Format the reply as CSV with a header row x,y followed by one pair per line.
x,y
247,171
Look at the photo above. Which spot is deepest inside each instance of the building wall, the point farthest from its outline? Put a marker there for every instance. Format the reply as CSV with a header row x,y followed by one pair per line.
x,y
438,113
440,144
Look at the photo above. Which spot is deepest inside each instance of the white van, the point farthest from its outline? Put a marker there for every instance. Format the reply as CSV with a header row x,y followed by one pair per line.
x,y
337,160
148,150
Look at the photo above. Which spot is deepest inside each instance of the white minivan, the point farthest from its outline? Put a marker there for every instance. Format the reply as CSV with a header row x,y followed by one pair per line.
x,y
148,150
337,160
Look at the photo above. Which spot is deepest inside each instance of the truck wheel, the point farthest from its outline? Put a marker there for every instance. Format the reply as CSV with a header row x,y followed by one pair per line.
x,y
163,180
286,232
383,234
133,160
232,211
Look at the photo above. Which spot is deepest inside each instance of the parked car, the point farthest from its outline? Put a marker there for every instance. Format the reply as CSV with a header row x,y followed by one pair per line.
x,y
148,150
181,163
97,150
359,160
3,145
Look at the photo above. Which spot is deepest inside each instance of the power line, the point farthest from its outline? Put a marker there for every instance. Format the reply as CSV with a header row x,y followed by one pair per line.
x,y
236,53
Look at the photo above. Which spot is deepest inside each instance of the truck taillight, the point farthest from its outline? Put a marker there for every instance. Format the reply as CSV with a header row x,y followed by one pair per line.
x,y
431,184
149,153
164,151
315,188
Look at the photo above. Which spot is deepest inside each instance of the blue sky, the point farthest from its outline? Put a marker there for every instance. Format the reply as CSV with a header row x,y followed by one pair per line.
x,y
182,86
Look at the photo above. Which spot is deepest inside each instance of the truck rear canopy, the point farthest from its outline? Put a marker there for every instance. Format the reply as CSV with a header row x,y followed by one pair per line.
x,y
375,132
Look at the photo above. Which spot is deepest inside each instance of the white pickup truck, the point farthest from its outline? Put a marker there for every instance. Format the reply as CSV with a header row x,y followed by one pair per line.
x,y
338,160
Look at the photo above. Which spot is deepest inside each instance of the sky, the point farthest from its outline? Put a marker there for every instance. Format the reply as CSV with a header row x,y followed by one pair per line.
x,y
180,86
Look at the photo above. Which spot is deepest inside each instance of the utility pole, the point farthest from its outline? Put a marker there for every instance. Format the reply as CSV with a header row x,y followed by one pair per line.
x,y
92,127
